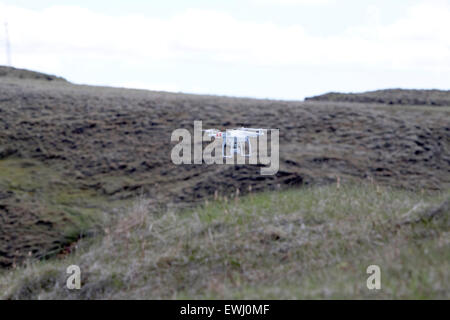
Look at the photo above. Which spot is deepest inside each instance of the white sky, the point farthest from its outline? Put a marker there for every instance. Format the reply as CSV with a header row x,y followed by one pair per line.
x,y
285,49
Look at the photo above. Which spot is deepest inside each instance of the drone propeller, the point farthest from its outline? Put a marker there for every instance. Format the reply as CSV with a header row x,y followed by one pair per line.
x,y
257,131
253,129
212,132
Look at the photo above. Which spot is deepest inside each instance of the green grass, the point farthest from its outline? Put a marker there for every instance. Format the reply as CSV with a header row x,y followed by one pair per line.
x,y
310,243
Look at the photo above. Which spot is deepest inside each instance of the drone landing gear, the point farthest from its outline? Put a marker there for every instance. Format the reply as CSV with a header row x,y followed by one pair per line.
x,y
238,147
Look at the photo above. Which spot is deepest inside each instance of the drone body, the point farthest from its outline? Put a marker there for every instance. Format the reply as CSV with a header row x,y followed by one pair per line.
x,y
236,138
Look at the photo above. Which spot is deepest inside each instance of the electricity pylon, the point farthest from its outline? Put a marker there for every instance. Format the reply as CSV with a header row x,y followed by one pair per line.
x,y
7,46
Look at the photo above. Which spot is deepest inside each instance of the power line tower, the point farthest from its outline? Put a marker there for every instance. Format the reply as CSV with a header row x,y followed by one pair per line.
x,y
7,46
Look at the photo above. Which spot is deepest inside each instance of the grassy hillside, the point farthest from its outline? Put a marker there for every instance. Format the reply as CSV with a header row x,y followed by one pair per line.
x,y
42,212
74,158
70,154
313,242
10,72
391,96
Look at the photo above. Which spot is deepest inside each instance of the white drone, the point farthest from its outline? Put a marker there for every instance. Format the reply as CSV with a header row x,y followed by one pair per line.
x,y
236,138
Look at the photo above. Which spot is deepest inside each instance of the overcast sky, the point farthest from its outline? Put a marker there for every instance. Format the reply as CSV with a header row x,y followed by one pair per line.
x,y
284,49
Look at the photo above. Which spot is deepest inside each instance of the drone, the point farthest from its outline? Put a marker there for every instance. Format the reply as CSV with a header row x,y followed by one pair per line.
x,y
236,138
